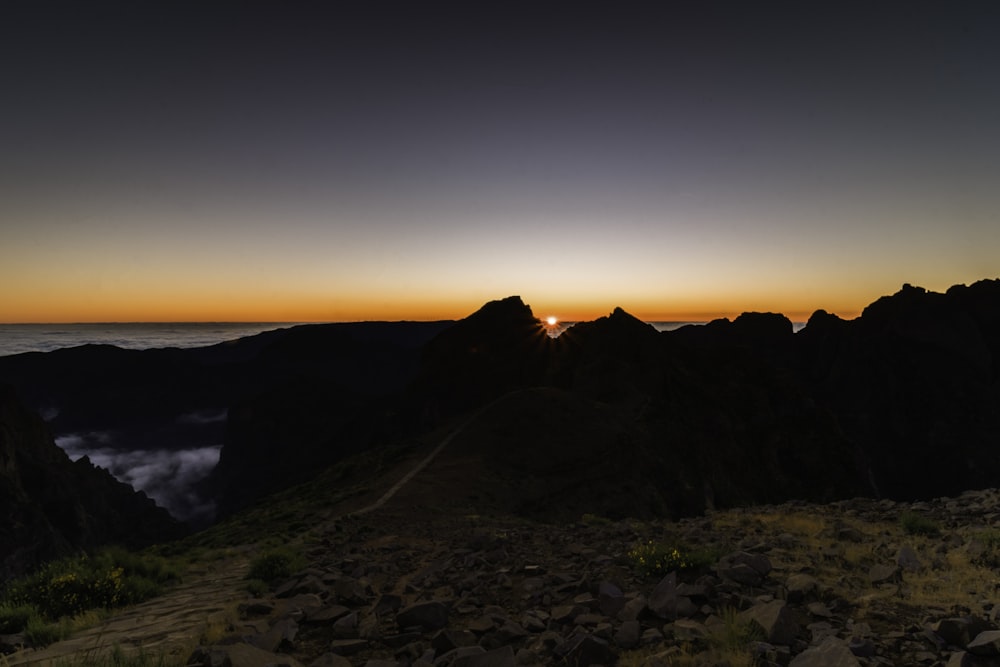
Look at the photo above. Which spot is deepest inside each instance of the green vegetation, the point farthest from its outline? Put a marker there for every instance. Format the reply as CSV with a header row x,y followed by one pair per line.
x,y
14,618
735,634
257,588
985,548
918,524
659,558
59,597
274,564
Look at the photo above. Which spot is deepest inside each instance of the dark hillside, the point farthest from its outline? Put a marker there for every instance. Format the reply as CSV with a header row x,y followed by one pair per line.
x,y
53,507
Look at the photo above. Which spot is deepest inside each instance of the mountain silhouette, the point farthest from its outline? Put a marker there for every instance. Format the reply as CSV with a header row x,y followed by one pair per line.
x,y
612,417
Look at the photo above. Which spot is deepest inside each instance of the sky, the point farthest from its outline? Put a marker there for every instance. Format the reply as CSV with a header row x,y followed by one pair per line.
x,y
291,161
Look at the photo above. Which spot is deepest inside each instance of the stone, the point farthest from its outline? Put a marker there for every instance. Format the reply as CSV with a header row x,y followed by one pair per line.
x,y
628,634
686,630
499,657
954,631
819,609
583,650
346,626
985,644
431,615
959,631
610,598
775,619
666,603
327,615
862,647
387,603
348,646
799,587
831,653
848,534
742,567
450,657
330,660
240,655
907,559
650,636
449,639
299,606
256,608
279,637
963,659
884,574
350,591
632,609
565,613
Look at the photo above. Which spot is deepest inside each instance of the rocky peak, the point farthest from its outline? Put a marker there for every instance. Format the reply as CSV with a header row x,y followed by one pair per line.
x,y
500,347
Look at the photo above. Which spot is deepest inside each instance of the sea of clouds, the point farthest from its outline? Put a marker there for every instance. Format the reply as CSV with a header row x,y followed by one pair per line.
x,y
170,477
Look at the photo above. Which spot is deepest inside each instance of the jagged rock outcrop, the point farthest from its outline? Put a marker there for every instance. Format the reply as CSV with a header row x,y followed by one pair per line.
x,y
913,380
500,347
52,506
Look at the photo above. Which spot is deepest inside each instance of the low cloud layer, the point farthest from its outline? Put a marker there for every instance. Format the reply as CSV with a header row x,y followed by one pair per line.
x,y
167,476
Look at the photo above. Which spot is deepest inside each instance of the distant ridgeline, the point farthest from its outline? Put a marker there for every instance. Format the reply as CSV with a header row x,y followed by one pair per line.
x,y
612,417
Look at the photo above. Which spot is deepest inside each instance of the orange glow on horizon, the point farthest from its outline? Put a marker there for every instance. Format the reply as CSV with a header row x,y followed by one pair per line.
x,y
281,308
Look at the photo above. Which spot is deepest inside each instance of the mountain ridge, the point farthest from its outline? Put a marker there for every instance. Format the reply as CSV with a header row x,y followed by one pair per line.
x,y
723,414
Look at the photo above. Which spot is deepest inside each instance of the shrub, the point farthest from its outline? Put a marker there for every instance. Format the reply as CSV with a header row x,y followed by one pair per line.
x,y
918,524
257,588
274,564
39,633
14,618
659,558
68,587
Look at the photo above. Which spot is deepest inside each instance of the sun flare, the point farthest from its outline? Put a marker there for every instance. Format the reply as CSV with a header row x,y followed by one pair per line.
x,y
552,320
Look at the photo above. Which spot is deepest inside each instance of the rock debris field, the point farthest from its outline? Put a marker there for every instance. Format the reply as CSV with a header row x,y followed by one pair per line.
x,y
858,582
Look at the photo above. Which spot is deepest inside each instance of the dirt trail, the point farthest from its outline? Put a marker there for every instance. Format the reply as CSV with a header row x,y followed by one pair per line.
x,y
173,623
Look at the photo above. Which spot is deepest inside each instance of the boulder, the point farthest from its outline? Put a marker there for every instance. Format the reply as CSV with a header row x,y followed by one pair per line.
x,y
831,653
775,619
238,655
583,650
499,657
665,601
959,631
432,615
800,587
884,574
628,634
748,569
985,644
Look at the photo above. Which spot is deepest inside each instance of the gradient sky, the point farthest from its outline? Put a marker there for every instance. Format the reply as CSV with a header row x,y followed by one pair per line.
x,y
277,162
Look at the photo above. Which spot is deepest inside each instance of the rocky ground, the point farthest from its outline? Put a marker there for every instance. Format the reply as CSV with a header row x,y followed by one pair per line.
x,y
805,585
858,582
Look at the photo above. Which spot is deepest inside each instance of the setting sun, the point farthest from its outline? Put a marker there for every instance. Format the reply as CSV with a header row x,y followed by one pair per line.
x,y
552,320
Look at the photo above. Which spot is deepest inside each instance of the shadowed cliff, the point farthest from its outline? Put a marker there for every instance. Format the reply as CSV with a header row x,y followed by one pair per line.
x,y
54,507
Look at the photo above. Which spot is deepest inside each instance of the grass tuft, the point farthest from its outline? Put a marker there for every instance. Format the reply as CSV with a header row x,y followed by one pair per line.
x,y
918,524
